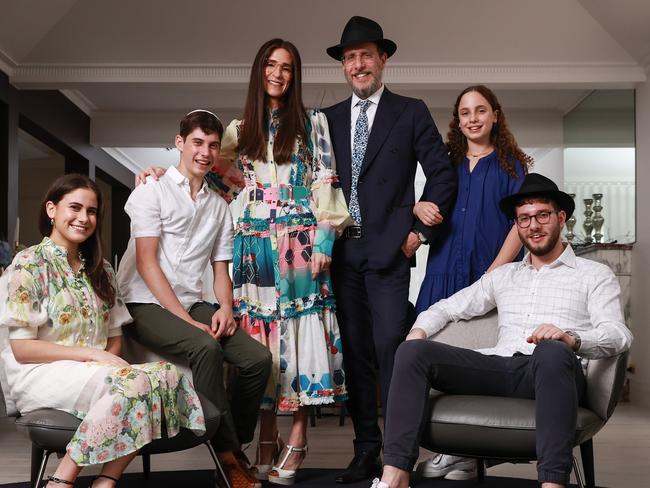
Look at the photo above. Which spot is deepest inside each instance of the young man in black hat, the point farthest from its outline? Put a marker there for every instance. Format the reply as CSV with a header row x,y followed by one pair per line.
x,y
378,138
556,311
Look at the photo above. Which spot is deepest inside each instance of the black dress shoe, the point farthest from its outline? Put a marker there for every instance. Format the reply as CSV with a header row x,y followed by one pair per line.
x,y
363,466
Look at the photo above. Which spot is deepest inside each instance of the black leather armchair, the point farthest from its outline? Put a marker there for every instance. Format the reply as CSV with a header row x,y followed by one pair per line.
x,y
51,430
486,427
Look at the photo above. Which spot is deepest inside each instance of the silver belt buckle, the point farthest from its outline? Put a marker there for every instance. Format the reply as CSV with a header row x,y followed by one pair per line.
x,y
354,232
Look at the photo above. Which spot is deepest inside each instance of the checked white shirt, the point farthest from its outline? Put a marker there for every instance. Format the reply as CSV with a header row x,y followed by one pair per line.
x,y
571,293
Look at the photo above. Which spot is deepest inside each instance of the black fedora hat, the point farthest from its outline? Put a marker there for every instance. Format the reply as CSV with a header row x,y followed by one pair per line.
x,y
536,185
359,30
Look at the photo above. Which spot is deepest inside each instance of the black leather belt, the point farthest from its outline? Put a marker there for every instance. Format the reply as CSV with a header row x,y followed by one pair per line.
x,y
352,232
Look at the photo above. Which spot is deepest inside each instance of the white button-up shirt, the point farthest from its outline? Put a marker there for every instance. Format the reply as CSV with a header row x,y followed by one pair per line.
x,y
370,112
571,293
193,233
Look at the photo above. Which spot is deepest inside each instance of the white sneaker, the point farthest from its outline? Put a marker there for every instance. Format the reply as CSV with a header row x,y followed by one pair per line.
x,y
376,483
449,467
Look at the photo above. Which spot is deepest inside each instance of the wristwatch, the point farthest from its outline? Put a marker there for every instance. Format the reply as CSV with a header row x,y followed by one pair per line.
x,y
576,338
421,237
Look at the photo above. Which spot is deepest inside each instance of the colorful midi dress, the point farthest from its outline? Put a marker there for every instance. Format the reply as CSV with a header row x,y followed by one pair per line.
x,y
122,408
290,211
471,239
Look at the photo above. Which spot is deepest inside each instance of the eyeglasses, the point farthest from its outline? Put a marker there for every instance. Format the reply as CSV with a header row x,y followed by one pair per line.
x,y
350,58
543,217
272,65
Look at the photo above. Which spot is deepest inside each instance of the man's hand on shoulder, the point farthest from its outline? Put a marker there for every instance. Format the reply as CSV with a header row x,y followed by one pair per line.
x,y
416,333
223,323
154,171
549,332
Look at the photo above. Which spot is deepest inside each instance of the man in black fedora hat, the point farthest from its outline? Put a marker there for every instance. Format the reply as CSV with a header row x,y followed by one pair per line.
x,y
378,138
556,311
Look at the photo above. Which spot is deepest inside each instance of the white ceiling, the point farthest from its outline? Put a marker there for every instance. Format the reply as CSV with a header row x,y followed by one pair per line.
x,y
135,67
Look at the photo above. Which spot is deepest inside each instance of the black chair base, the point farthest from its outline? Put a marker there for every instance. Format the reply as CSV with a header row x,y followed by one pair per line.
x,y
51,430
41,456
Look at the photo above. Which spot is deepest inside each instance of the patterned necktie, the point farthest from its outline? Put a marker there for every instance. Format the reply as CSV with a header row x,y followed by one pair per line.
x,y
361,133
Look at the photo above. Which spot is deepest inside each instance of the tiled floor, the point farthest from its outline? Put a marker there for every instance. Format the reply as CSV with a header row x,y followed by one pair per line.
x,y
622,451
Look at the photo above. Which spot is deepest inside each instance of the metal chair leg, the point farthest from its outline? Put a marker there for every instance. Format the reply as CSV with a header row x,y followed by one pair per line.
x,y
37,476
576,472
146,466
312,416
480,470
220,470
587,456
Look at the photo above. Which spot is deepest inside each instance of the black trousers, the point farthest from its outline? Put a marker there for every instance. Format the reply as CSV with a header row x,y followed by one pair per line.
x,y
372,310
552,376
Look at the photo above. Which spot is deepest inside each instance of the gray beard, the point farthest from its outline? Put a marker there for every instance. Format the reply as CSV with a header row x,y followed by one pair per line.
x,y
365,93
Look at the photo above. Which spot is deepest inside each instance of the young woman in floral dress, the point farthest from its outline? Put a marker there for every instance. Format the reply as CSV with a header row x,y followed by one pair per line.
x,y
60,303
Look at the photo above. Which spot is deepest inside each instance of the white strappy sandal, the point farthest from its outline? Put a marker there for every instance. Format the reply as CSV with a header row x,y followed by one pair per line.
x,y
280,476
262,470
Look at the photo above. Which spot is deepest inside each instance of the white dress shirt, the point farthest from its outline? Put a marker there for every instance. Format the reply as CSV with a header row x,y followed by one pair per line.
x,y
571,293
193,233
370,112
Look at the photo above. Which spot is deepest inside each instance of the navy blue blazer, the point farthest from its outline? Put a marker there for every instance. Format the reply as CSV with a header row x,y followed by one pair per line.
x,y
403,133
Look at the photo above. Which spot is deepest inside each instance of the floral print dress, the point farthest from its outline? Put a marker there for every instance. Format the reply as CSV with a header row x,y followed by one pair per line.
x,y
290,211
122,408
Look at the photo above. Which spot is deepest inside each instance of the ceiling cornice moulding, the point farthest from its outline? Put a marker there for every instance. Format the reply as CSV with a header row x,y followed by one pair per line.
x,y
7,64
58,75
81,101
646,63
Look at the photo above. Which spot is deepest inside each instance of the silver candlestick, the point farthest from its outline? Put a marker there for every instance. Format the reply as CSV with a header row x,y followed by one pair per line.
x,y
570,223
588,224
598,219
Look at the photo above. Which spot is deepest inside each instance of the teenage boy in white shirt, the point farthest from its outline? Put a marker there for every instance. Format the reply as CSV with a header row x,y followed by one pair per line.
x,y
178,227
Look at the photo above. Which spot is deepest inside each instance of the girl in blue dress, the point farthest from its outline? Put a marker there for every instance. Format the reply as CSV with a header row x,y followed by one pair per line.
x,y
478,237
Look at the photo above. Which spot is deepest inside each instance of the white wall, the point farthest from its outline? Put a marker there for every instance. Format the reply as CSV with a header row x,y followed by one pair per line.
x,y
611,172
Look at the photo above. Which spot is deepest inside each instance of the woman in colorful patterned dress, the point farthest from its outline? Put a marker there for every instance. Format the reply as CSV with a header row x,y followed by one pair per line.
x,y
280,156
60,303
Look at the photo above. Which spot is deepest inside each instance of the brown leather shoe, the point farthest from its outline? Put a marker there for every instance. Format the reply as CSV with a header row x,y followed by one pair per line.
x,y
238,473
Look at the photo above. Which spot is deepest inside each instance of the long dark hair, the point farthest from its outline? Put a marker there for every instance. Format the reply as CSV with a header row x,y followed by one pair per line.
x,y
91,248
254,132
508,151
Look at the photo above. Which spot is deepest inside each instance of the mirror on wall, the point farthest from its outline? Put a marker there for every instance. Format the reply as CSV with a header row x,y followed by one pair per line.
x,y
39,165
599,166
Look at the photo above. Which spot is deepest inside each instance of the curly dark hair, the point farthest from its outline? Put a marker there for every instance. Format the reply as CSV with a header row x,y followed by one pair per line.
x,y
508,151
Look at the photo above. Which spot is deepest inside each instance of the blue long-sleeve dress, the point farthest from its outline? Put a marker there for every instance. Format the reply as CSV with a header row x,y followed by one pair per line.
x,y
474,234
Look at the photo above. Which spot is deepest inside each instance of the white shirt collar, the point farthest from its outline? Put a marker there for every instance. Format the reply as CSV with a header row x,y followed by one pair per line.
x,y
178,178
374,98
567,258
